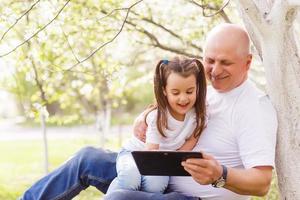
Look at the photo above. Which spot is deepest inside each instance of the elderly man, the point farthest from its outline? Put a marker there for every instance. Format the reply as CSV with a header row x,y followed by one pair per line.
x,y
238,143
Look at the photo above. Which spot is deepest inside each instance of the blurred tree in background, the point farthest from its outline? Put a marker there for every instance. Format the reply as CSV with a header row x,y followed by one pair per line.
x,y
86,61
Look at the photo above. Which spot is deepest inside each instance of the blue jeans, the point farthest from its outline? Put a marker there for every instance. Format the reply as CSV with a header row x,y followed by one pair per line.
x,y
90,166
129,177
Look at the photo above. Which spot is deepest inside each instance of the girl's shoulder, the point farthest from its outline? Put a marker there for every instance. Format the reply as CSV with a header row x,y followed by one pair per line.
x,y
151,116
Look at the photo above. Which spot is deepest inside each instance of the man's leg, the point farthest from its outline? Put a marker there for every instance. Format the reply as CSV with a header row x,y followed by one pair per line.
x,y
90,166
140,195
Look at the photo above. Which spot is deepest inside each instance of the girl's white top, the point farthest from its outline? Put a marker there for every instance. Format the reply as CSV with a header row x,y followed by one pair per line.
x,y
176,134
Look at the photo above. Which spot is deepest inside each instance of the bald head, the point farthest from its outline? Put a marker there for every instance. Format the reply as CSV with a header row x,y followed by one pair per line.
x,y
226,57
229,35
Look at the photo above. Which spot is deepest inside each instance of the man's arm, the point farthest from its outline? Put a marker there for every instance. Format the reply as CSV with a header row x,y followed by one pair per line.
x,y
140,127
254,181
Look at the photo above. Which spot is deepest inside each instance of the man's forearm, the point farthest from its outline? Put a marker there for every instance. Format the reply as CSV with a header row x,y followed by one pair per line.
x,y
254,181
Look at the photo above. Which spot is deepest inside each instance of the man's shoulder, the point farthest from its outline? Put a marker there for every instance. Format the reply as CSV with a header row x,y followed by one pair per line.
x,y
254,100
252,94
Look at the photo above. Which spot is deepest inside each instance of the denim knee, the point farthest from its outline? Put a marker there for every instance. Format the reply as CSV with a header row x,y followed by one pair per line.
x,y
96,163
96,157
89,153
130,180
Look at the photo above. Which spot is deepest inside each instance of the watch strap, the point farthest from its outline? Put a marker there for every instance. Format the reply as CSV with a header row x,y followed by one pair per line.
x,y
224,174
220,182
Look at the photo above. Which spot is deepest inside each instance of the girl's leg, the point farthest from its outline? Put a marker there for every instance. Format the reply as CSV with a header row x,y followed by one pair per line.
x,y
128,176
156,184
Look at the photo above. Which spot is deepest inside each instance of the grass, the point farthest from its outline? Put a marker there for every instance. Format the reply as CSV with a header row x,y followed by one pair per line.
x,y
21,164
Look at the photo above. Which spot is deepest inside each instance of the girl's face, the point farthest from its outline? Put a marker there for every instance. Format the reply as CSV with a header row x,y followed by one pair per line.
x,y
181,94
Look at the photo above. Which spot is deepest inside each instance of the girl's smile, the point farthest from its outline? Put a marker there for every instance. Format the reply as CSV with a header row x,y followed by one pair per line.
x,y
181,94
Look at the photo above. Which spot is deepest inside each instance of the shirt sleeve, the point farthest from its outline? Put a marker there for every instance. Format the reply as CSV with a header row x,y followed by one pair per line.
x,y
256,133
152,134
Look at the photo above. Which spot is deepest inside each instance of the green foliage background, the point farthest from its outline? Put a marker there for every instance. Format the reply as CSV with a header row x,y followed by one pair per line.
x,y
64,68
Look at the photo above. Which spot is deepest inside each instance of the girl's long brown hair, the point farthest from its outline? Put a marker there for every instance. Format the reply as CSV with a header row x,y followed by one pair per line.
x,y
184,67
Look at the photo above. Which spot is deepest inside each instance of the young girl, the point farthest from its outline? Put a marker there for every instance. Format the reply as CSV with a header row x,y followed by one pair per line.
x,y
175,123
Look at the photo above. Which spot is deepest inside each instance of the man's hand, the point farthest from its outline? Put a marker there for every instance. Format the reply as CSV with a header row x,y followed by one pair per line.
x,y
205,170
253,181
140,127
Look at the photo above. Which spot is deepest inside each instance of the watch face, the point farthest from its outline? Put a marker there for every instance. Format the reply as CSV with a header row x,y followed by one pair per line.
x,y
220,183
222,180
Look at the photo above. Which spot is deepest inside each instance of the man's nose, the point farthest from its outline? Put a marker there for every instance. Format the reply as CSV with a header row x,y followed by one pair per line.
x,y
216,69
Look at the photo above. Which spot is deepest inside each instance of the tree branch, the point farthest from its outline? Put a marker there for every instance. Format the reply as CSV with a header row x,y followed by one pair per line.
x,y
38,82
156,43
151,21
219,11
225,16
252,11
18,19
70,47
67,39
111,12
110,41
37,32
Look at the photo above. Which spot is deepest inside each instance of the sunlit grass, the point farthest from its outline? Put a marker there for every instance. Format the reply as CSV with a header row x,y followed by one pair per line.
x,y
22,163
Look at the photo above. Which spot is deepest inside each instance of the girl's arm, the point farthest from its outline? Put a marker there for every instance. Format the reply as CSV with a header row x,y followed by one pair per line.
x,y
189,143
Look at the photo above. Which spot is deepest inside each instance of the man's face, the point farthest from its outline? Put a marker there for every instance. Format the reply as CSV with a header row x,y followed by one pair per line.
x,y
225,67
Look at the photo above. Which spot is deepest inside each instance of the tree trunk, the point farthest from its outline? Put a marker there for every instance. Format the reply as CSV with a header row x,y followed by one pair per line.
x,y
103,120
45,140
270,25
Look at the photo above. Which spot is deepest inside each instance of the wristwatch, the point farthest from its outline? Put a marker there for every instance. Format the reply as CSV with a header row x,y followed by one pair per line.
x,y
220,182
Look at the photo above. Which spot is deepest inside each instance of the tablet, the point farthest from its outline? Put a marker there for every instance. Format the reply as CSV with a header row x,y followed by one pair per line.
x,y
163,163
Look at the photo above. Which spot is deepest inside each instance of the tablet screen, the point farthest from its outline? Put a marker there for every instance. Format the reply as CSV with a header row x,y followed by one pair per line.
x,y
163,163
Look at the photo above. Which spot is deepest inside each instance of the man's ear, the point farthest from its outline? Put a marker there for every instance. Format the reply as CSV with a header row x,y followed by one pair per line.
x,y
249,60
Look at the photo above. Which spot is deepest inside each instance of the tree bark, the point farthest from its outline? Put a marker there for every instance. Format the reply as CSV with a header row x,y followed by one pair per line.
x,y
270,25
